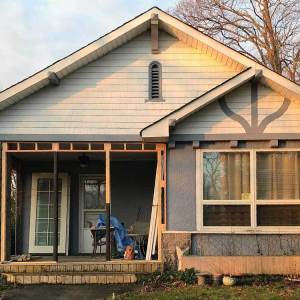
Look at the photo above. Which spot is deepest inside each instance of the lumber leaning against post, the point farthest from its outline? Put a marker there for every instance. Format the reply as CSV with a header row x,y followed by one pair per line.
x,y
153,220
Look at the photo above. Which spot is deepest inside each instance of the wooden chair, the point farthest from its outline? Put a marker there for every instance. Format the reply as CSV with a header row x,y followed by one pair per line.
x,y
139,232
98,238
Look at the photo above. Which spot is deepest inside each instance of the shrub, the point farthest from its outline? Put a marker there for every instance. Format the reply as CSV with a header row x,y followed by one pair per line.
x,y
188,276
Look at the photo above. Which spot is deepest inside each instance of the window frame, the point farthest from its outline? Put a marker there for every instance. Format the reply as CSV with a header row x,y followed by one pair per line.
x,y
253,201
150,99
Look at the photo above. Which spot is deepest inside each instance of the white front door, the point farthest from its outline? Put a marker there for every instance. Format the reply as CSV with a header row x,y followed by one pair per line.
x,y
91,204
42,213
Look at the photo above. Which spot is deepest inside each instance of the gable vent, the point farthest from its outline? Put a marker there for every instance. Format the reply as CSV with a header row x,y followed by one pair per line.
x,y
155,80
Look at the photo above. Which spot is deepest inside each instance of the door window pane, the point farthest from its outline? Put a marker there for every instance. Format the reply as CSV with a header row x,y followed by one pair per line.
x,y
278,215
226,215
45,211
93,194
90,218
43,198
277,175
41,239
226,176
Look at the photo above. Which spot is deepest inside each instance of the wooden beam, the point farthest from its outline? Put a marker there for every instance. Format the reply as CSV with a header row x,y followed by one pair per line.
x,y
107,148
55,206
154,34
4,203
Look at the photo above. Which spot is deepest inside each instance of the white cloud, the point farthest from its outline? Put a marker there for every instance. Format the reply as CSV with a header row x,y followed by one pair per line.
x,y
36,33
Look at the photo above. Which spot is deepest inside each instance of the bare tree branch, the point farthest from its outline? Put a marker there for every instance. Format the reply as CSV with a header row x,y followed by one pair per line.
x,y
268,31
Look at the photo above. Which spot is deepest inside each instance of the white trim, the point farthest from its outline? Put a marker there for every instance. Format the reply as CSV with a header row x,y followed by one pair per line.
x,y
62,248
241,230
253,202
199,192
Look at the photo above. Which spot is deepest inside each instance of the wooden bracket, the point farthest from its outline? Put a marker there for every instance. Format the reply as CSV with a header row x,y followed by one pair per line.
x,y
274,144
258,75
233,144
172,123
154,34
196,144
172,145
53,79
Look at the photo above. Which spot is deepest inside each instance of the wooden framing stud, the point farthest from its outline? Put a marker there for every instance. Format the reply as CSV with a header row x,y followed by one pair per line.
x,y
154,34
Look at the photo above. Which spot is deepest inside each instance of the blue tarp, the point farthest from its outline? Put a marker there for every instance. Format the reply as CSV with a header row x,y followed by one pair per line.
x,y
120,233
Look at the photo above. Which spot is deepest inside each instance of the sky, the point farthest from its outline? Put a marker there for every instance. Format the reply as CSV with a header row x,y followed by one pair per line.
x,y
35,33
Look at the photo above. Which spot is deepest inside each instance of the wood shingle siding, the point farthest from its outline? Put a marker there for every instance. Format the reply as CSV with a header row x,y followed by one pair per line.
x,y
109,95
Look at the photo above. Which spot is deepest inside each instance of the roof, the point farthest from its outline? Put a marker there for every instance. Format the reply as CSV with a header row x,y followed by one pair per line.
x,y
131,29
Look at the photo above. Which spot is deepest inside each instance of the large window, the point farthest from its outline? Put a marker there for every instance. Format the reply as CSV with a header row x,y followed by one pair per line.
x,y
248,190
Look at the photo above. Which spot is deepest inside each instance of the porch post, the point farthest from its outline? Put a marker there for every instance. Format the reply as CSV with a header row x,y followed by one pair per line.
x,y
4,204
159,212
107,199
55,205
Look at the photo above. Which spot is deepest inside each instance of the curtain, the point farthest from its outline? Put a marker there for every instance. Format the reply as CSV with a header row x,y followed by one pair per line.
x,y
226,175
277,175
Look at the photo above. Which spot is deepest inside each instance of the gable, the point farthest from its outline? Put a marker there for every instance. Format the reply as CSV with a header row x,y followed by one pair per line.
x,y
108,97
153,18
245,113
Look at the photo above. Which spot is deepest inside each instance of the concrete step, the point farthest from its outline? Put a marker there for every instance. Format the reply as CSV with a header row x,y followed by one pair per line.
x,y
69,278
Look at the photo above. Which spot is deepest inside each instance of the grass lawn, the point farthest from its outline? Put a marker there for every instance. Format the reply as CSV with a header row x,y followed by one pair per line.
x,y
270,291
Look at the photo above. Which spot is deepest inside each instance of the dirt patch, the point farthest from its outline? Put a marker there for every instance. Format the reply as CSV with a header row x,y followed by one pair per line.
x,y
65,292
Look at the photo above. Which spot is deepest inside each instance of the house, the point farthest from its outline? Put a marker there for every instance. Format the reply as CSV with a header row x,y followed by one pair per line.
x,y
154,123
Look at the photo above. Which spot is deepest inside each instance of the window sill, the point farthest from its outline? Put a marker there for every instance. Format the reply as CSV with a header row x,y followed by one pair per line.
x,y
251,230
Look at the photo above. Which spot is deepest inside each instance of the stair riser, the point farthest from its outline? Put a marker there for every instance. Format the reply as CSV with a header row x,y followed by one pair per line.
x,y
120,268
70,279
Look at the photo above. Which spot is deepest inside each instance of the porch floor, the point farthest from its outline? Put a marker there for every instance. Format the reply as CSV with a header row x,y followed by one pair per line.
x,y
80,259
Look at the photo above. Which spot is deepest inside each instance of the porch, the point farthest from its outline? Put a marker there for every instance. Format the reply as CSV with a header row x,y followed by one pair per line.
x,y
83,180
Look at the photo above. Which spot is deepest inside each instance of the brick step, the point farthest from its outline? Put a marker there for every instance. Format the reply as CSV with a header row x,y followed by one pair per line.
x,y
131,267
69,278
